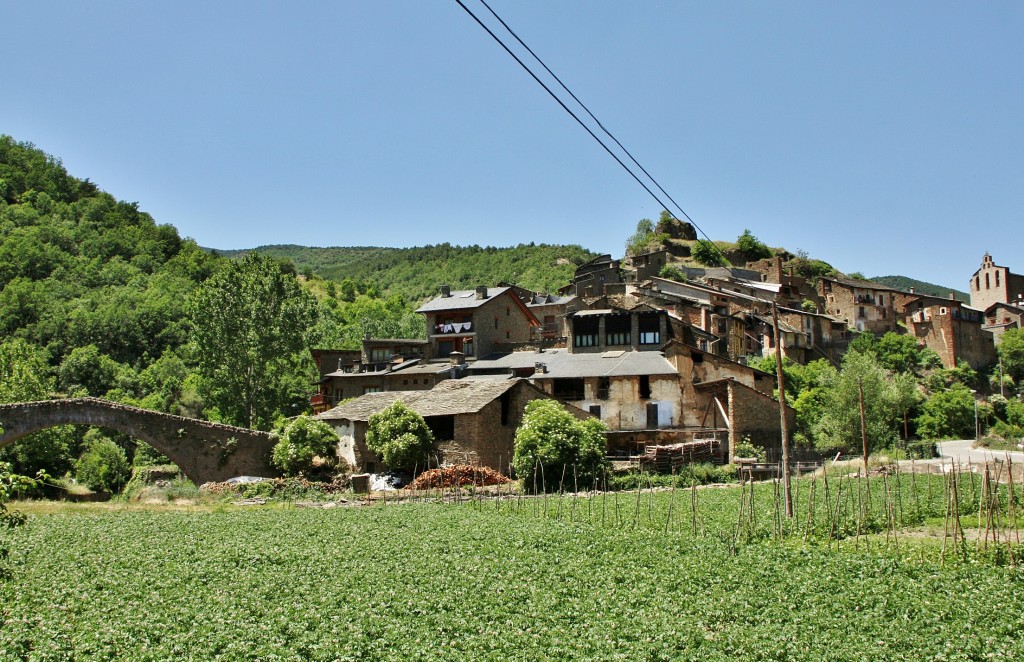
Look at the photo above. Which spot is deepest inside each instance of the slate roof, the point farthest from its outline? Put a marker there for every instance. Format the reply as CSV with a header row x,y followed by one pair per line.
x,y
561,364
450,397
460,300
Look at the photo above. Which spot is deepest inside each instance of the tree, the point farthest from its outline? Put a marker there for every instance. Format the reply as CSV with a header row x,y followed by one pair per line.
x,y
640,241
249,326
103,466
551,444
707,253
24,376
751,247
839,425
400,437
301,441
948,414
1011,354
672,272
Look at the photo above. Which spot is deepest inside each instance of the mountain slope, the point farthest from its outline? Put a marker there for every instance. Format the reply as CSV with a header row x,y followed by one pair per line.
x,y
921,287
416,273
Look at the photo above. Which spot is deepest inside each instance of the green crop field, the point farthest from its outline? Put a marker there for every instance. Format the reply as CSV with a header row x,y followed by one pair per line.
x,y
610,577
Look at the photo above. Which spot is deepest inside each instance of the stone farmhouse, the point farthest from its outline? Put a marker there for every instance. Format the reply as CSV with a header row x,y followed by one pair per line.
x,y
999,317
862,304
950,328
473,421
476,322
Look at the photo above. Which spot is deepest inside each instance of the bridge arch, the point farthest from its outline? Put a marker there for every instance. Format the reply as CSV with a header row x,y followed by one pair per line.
x,y
203,451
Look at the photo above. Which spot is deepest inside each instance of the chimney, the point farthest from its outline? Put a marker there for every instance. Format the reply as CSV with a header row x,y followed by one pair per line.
x,y
952,295
457,358
913,291
446,291
540,368
481,292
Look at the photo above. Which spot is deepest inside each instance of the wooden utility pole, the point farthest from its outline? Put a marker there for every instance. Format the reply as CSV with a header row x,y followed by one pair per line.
x,y
787,495
863,423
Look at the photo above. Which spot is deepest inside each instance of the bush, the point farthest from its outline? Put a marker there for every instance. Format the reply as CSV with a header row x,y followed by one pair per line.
x,y
672,272
400,437
701,473
751,247
551,444
746,449
707,253
948,415
922,450
103,467
300,442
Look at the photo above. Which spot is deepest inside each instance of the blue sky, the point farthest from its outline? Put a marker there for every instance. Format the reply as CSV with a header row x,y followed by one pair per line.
x,y
882,137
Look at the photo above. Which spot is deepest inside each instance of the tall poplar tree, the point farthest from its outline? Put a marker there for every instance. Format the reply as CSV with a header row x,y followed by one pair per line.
x,y
249,327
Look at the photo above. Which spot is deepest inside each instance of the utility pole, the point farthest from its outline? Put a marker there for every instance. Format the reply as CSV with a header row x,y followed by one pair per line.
x,y
786,492
863,423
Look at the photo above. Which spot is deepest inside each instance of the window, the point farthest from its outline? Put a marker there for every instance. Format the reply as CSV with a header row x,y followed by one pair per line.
x,y
997,279
585,332
595,410
617,330
443,427
568,389
371,389
377,355
508,312
650,332
987,286
506,406
495,322
645,387
881,300
977,282
508,335
862,312
604,387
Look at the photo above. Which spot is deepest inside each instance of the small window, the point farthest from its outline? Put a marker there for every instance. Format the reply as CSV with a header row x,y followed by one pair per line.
x,y
604,387
508,311
595,410
495,322
645,387
997,279
508,335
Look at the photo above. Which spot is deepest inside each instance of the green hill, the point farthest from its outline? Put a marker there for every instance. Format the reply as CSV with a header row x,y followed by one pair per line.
x,y
416,273
904,283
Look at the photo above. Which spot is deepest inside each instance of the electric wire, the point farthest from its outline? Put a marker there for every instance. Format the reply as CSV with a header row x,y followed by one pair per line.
x,y
554,96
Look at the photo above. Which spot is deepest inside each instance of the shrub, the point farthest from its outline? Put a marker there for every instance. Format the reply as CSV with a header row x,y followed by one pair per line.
x,y
751,247
400,437
948,414
300,442
103,466
707,253
672,272
747,449
551,444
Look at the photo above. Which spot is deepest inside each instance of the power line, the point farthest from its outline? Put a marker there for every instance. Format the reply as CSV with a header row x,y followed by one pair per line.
x,y
580,122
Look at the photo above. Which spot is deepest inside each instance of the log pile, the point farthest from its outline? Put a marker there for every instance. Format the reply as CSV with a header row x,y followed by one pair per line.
x,y
458,475
668,458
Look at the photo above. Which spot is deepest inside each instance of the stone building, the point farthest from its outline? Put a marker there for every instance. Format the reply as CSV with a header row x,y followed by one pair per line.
x,y
647,265
744,413
550,310
382,364
992,284
476,322
952,329
473,421
862,304
1000,317
593,278
641,329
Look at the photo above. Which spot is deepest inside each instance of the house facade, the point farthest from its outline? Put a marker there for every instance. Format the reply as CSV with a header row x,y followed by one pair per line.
x,y
952,329
861,304
473,421
476,322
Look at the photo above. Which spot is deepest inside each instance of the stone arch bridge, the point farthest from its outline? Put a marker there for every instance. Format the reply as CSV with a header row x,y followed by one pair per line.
x,y
203,451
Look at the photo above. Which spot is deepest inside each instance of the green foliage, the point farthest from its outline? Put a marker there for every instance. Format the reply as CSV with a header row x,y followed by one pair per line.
x,y
699,473
249,323
345,326
645,238
808,306
904,284
811,269
103,466
751,247
597,578
838,424
672,272
86,369
856,275
1011,354
707,253
551,444
400,437
302,440
415,273
748,450
948,414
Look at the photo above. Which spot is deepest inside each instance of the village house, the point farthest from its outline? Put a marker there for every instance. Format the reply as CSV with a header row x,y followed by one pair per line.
x,y
382,364
550,310
1000,317
647,265
862,304
992,284
596,277
473,421
476,322
743,414
950,328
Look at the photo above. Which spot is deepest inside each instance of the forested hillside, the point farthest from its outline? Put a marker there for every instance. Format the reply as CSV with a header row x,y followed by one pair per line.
x,y
416,273
904,283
